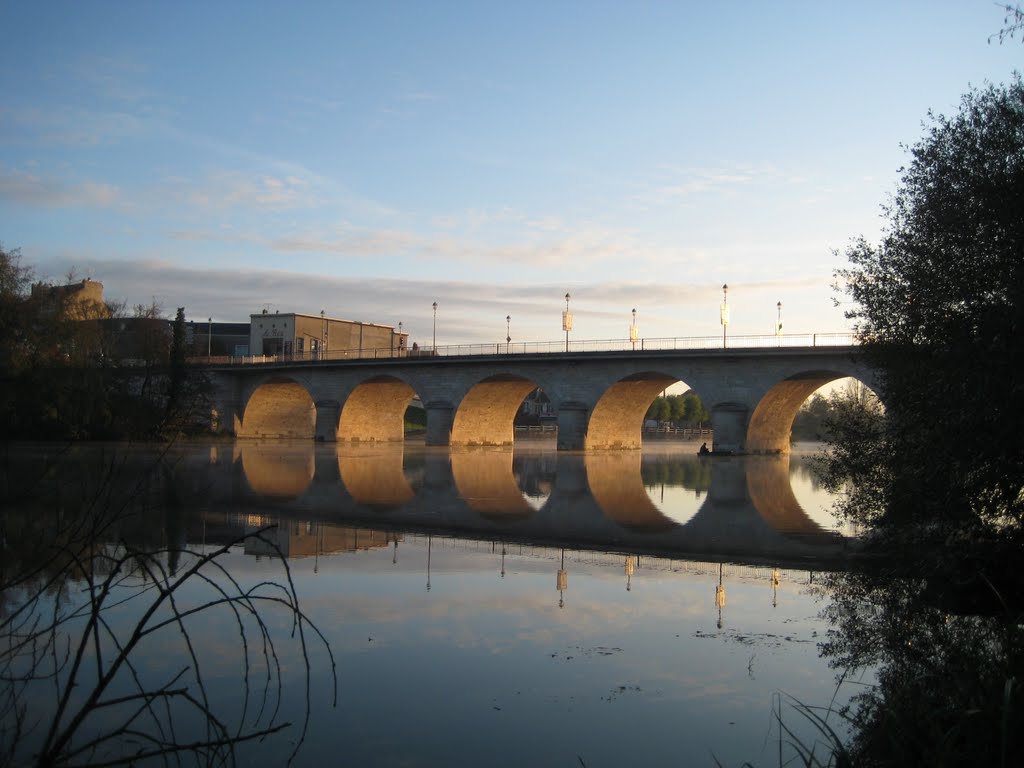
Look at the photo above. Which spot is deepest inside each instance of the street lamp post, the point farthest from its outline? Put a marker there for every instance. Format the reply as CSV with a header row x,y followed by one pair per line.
x,y
323,335
725,314
633,333
400,347
566,321
508,333
435,328
209,337
778,323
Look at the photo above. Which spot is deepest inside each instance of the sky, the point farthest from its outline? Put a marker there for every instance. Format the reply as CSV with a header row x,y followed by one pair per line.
x,y
371,158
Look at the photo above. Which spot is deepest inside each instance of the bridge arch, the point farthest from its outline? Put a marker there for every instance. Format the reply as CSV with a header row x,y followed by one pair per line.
x,y
279,407
618,416
770,424
487,412
375,409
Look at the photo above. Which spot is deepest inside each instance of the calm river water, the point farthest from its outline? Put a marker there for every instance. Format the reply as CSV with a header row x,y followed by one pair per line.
x,y
497,607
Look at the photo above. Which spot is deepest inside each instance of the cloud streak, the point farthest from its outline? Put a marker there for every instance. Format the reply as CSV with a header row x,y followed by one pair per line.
x,y
27,189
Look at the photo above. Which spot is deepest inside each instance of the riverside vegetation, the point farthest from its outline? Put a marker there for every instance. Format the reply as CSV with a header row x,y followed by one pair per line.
x,y
70,370
935,608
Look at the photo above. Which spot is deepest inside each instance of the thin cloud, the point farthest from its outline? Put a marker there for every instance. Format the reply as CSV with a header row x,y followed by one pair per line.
x,y
30,190
67,126
680,184
117,78
262,192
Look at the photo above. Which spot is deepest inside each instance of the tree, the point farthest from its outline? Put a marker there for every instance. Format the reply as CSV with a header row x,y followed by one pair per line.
x,y
75,367
1013,24
14,277
939,308
694,408
178,351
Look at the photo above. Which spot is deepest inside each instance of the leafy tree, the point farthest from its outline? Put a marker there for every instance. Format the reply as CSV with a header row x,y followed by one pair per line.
x,y
694,410
809,423
1013,24
678,408
13,280
71,367
14,277
939,307
178,353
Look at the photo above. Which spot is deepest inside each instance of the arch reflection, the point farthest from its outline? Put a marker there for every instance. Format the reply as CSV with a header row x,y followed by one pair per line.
x,y
653,502
276,470
771,492
485,481
375,475
617,486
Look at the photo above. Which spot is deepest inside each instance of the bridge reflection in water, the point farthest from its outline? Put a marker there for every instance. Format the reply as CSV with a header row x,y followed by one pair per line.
x,y
739,508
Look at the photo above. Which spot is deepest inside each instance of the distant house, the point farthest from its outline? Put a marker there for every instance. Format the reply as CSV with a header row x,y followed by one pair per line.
x,y
296,336
536,408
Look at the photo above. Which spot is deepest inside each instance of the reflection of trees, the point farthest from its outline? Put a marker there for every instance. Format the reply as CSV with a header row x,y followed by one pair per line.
x,y
98,613
948,688
414,467
670,470
806,470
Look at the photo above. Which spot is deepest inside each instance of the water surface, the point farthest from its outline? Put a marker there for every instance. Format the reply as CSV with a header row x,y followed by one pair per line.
x,y
513,607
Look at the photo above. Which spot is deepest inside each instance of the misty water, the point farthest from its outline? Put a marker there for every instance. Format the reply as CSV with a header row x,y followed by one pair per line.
x,y
497,606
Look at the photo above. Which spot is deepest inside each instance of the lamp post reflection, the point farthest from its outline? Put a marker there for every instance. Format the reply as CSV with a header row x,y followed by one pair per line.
x,y
428,562
720,596
563,581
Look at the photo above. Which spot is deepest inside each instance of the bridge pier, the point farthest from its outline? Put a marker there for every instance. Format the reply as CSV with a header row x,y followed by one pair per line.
x,y
225,417
440,417
328,413
572,426
729,424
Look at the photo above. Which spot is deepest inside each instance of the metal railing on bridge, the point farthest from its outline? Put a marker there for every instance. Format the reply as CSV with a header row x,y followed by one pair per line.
x,y
801,340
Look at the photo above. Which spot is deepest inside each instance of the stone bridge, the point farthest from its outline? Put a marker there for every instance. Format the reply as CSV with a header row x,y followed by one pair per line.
x,y
600,398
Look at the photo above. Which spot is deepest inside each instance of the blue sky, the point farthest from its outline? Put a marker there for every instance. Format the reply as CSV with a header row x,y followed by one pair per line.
x,y
372,158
